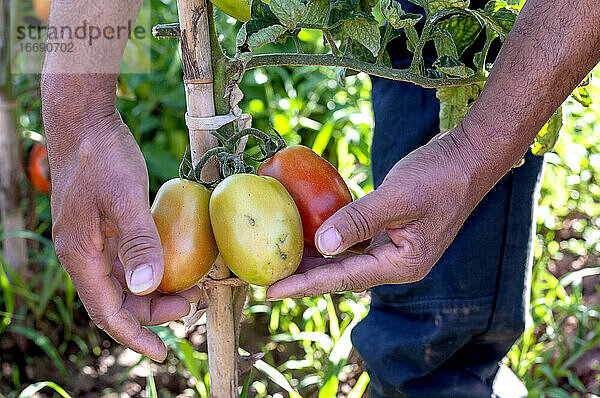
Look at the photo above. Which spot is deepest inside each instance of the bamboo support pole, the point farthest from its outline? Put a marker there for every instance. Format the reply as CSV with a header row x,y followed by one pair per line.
x,y
198,80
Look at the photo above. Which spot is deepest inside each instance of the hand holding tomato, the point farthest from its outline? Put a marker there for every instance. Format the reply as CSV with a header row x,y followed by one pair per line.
x,y
103,230
413,217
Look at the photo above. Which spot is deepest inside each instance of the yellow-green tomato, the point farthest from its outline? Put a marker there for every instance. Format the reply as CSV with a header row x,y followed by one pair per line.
x,y
257,228
181,214
239,9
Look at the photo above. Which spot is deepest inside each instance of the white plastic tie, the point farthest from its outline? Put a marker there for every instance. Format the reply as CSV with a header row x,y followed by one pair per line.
x,y
212,123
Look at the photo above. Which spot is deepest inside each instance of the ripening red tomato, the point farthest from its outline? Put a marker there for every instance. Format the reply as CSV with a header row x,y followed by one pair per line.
x,y
315,185
38,168
42,9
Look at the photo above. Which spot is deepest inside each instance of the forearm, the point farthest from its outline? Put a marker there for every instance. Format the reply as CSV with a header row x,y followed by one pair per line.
x,y
550,49
79,87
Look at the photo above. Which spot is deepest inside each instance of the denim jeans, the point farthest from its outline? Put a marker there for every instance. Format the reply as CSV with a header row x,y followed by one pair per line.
x,y
444,335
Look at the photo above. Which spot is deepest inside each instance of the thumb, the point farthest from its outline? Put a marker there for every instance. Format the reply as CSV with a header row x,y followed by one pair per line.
x,y
140,251
356,222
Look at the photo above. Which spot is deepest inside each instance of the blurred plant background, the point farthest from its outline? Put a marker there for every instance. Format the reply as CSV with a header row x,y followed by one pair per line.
x,y
46,336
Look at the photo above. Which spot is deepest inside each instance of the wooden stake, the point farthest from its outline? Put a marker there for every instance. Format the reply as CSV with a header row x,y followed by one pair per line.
x,y
198,79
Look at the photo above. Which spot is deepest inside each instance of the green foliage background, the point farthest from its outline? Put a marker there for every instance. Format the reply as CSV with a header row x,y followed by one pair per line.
x,y
305,341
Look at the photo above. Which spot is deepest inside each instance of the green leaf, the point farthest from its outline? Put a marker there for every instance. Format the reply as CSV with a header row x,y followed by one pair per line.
x,y
316,12
342,10
276,376
463,29
365,32
330,388
412,38
33,389
360,387
444,44
263,28
42,341
151,386
556,392
246,387
9,296
548,135
434,6
497,16
575,382
392,11
269,34
452,66
455,102
582,95
289,12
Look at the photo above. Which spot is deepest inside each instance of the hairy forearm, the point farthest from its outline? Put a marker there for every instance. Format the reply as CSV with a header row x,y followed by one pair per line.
x,y
550,49
79,87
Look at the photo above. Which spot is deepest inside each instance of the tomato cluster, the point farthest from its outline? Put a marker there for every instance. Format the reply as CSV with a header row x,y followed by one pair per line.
x,y
259,223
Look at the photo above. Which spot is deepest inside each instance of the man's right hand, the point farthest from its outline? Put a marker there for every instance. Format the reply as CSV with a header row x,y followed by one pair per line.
x,y
105,236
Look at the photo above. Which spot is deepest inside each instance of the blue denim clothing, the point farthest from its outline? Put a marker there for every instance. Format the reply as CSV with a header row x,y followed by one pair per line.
x,y
443,336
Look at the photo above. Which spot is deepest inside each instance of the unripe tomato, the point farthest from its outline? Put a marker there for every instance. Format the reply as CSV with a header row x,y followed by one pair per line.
x,y
257,228
42,9
180,212
38,168
239,9
316,186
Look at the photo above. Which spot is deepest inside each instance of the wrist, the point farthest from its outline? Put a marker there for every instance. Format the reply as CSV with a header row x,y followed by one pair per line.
x,y
489,155
75,102
77,108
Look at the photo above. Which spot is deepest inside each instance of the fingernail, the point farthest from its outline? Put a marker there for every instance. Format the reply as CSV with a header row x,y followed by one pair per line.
x,y
141,278
329,241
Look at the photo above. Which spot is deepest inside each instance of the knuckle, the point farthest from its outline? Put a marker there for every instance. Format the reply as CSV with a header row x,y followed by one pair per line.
x,y
349,280
137,247
358,220
412,257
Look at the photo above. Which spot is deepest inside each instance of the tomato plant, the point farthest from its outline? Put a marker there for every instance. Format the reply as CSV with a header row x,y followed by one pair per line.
x,y
39,171
315,185
257,228
181,214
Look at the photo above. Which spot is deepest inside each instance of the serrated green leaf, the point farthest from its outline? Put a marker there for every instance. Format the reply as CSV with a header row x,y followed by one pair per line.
x,y
464,30
289,12
364,32
342,10
412,38
434,6
316,12
498,16
395,15
254,41
264,25
455,102
452,67
444,44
